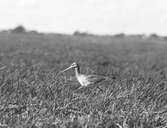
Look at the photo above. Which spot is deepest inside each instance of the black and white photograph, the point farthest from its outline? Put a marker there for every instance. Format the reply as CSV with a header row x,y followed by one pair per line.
x,y
83,64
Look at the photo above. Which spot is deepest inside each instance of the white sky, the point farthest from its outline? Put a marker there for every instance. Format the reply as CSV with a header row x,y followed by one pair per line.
x,y
96,16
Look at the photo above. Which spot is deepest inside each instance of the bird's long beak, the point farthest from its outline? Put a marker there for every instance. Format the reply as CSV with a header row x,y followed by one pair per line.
x,y
66,69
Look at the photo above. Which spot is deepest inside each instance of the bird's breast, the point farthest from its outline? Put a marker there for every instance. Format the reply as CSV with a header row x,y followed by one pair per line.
x,y
82,79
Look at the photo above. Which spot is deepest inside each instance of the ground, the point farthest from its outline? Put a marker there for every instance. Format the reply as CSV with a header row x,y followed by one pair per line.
x,y
34,96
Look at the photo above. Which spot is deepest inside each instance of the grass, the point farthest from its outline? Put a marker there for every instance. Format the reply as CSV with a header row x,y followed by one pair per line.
x,y
33,96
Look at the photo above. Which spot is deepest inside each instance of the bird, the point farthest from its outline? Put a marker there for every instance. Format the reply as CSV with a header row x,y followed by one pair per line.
x,y
85,80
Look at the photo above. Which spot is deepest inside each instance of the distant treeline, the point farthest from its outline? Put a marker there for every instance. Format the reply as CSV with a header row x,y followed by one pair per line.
x,y
22,30
19,30
122,35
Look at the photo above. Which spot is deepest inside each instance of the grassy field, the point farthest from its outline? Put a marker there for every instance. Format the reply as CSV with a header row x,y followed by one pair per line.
x,y
33,96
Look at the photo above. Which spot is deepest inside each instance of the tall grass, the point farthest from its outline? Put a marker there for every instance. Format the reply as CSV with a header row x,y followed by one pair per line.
x,y
32,95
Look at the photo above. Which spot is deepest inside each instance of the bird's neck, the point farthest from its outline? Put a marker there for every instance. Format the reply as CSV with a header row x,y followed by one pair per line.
x,y
77,70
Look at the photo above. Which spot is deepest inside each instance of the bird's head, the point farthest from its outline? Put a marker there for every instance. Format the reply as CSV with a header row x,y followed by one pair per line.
x,y
73,65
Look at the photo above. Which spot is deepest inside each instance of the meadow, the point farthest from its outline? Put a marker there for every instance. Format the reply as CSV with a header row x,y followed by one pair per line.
x,y
32,95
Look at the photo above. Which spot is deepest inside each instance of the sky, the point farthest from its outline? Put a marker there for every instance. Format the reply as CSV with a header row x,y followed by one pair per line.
x,y
94,16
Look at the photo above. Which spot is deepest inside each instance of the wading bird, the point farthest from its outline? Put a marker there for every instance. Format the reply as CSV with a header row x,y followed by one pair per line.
x,y
85,80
